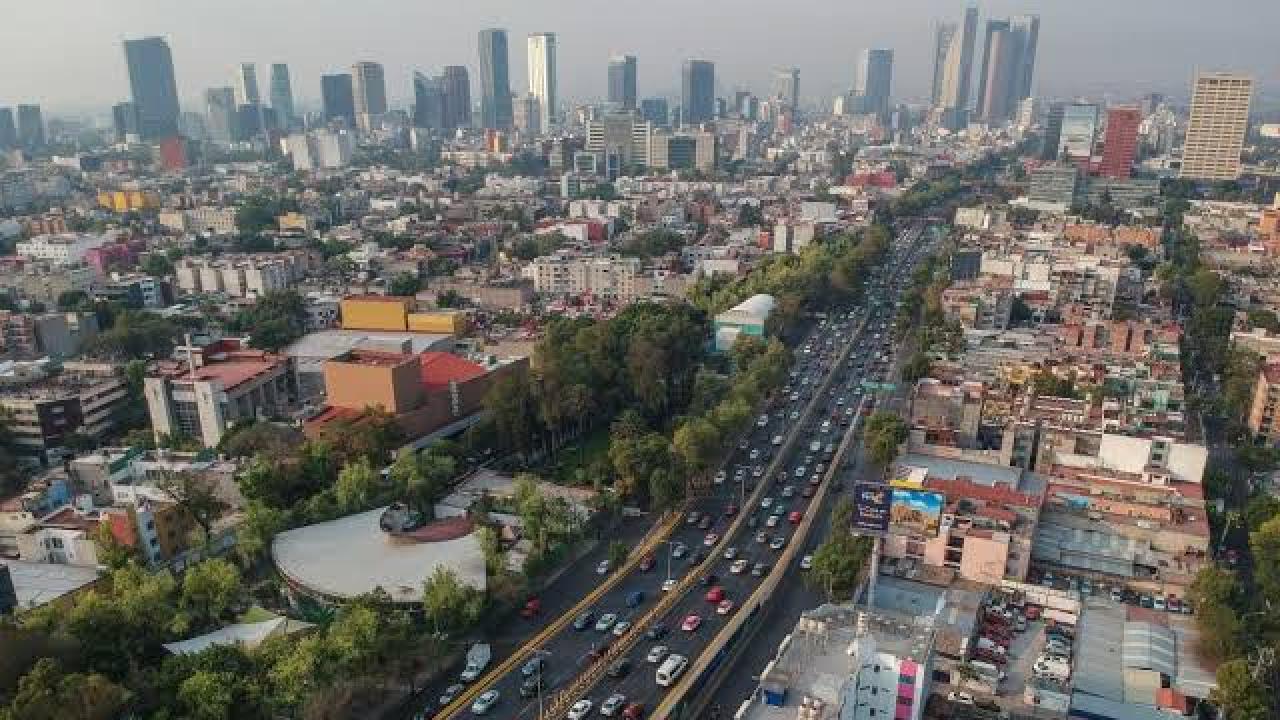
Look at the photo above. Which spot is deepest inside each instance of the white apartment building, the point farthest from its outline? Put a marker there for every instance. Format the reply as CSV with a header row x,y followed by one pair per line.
x,y
613,277
320,149
208,219
63,249
245,276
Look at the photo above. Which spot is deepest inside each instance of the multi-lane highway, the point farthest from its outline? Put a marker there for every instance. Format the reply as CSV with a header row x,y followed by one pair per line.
x,y
739,563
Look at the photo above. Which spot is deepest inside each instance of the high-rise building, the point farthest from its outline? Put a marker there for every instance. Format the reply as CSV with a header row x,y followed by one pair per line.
x,y
1008,66
622,81
1217,126
337,99
282,95
786,87
953,67
527,114
457,97
621,139
542,77
369,86
30,127
873,81
124,121
698,92
1070,131
1120,142
8,130
655,111
428,102
153,87
222,116
495,80
247,85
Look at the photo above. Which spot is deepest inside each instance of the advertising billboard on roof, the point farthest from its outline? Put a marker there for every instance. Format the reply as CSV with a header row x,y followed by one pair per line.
x,y
915,512
871,508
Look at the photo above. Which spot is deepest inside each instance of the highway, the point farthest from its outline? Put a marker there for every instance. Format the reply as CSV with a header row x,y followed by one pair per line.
x,y
567,653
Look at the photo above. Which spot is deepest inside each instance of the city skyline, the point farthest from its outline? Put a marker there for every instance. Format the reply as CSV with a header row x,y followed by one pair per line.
x,y
204,45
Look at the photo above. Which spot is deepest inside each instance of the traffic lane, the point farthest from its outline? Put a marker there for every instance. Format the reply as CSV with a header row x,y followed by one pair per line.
x,y
570,649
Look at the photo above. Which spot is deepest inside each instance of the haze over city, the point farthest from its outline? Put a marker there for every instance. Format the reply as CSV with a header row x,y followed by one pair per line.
x,y
66,53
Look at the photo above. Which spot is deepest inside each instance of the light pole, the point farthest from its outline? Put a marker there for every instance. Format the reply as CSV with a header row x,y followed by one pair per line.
x,y
670,550
540,654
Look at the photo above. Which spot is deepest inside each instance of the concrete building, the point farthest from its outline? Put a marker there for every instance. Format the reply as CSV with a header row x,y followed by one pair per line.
x,y
1053,187
622,139
63,249
793,236
1217,126
683,151
542,78
1008,65
1262,420
614,277
218,385
750,317
1120,143
45,408
320,150
369,90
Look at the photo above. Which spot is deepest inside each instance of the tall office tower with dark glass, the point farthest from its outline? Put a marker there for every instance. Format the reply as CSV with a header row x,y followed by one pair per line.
x,y
30,127
698,92
953,68
1008,66
873,82
153,87
8,130
124,121
655,110
457,97
282,95
495,80
337,98
622,81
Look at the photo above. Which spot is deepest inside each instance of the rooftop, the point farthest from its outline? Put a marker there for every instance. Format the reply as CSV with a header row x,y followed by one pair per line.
x,y
439,369
40,583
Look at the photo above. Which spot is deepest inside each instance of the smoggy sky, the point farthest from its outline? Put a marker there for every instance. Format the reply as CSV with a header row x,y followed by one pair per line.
x,y
67,54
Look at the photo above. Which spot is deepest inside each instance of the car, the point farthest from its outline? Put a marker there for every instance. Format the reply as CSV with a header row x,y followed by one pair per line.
x,y
766,503
533,667
772,521
646,563
1158,604
778,542
691,623
826,428
752,521
715,594
602,567
758,569
657,654
1117,595
584,621
788,491
657,632
757,471
738,566
634,711
530,686
762,537
754,455
485,702
806,562
635,598
580,709
744,445
710,539
724,607
777,439
679,550
800,471
531,608
605,622
809,491
621,628
739,473
449,694
962,698
612,704
762,421
704,523
709,579
697,557
619,669
795,517
692,518
730,553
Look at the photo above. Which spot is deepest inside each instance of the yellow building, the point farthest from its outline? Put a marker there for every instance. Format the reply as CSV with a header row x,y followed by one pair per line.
x,y
128,200
441,322
376,312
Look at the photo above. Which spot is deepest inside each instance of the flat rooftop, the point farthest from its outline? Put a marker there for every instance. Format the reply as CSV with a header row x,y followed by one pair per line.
x,y
352,555
39,583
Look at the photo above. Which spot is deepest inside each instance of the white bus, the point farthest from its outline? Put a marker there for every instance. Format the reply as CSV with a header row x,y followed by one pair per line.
x,y
671,669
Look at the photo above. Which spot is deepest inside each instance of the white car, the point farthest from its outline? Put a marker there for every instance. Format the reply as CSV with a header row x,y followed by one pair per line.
x,y
612,704
580,709
720,478
739,566
657,654
605,622
730,553
621,628
806,562
484,703
772,521
667,585
602,568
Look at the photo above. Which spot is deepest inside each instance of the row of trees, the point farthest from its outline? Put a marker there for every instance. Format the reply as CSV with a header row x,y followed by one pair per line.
x,y
838,562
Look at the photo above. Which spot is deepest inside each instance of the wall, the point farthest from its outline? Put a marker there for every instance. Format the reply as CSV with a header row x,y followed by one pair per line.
x,y
375,314
397,389
441,322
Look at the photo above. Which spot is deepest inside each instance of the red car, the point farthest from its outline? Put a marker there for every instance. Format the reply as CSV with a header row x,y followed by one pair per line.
x,y
532,607
691,623
795,517
715,594
730,510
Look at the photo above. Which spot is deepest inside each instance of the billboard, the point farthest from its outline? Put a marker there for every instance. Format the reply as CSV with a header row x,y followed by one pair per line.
x,y
915,512
871,508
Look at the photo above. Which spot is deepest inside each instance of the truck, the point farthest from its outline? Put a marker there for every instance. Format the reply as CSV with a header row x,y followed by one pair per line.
x,y
477,660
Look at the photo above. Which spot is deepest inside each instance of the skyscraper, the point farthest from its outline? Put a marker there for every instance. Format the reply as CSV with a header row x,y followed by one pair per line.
x,y
1079,131
542,77
152,85
337,99
30,127
873,82
457,97
953,67
8,130
247,85
698,92
495,80
124,120
1120,143
369,86
622,81
655,110
786,87
428,101
222,117
1216,128
1008,66
282,95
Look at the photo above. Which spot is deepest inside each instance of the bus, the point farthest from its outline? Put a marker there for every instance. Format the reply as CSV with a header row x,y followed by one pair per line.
x,y
671,669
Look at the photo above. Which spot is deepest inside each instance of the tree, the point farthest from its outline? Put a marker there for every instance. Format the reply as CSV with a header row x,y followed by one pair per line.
x,y
696,444
838,563
1264,546
451,606
157,265
404,285
884,433
196,495
1238,694
420,478
209,695
210,589
357,485
111,552
46,693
